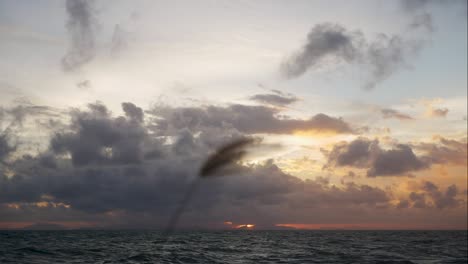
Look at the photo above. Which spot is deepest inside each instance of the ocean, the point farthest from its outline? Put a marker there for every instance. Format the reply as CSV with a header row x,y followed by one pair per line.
x,y
240,246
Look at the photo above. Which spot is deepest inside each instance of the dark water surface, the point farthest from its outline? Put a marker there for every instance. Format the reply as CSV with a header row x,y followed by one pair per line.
x,y
234,247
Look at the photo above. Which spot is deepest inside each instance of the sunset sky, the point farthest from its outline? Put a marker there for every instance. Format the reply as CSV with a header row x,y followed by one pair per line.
x,y
109,108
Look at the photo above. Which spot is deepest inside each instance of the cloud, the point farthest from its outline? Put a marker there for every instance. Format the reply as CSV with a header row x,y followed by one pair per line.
x,y
101,167
243,118
364,153
442,199
421,5
109,170
434,109
421,14
12,120
275,99
357,153
430,196
5,147
120,40
19,113
445,151
381,57
436,112
323,40
81,26
391,113
399,160
133,112
396,161
154,190
84,85
99,138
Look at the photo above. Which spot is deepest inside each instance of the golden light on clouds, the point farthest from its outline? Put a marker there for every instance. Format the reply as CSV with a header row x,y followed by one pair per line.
x,y
315,133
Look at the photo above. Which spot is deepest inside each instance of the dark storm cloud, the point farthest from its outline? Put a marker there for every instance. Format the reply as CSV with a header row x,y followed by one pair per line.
x,y
357,153
156,188
81,26
397,161
391,113
106,173
364,153
99,138
276,98
243,118
133,112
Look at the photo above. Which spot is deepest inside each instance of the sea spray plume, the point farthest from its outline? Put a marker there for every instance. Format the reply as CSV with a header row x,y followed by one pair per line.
x,y
81,26
227,155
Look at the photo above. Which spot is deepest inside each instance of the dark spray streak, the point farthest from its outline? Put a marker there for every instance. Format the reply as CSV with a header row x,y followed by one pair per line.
x,y
193,186
81,26
223,157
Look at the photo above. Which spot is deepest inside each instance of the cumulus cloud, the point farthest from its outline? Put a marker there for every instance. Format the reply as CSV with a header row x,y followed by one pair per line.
x,y
444,151
400,159
276,98
396,161
99,138
391,113
81,26
430,196
243,118
364,153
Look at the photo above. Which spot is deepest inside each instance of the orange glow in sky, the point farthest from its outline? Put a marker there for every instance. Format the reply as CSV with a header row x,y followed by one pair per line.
x,y
245,226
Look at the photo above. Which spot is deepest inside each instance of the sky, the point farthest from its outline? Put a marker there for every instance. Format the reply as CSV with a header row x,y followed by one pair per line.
x,y
109,108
